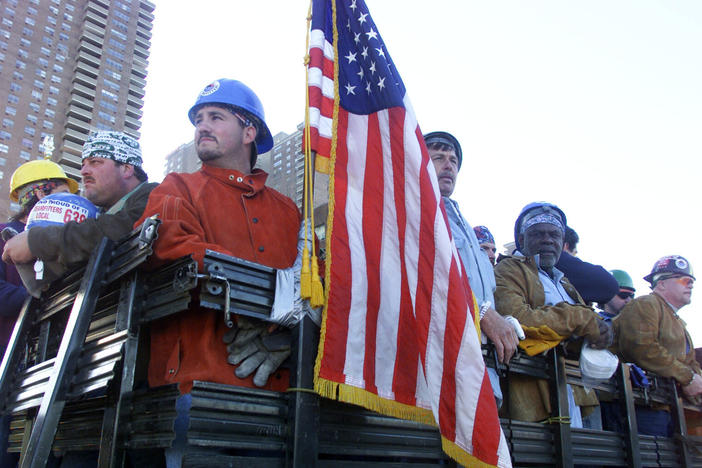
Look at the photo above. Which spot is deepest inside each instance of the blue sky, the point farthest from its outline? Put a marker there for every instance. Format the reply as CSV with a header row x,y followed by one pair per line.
x,y
595,106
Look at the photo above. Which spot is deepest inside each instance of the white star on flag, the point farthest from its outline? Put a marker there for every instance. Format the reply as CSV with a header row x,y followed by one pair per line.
x,y
351,57
349,89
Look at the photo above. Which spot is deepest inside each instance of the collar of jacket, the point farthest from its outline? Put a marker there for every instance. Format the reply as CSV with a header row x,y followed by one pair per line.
x,y
250,183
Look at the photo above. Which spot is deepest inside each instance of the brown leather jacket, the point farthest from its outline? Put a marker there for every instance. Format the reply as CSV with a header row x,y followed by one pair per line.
x,y
520,293
652,336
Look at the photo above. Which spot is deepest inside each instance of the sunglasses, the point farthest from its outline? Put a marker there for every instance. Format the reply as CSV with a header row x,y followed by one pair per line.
x,y
625,295
684,280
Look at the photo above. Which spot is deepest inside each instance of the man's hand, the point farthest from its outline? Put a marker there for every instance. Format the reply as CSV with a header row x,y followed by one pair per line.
x,y
501,333
606,337
693,388
17,249
255,345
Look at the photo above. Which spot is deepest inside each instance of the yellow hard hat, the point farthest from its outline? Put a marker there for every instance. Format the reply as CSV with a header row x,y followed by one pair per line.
x,y
41,169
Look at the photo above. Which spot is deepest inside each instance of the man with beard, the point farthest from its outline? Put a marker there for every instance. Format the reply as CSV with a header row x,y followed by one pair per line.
x,y
113,181
225,207
532,289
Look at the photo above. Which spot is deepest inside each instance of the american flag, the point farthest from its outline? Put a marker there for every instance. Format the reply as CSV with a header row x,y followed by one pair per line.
x,y
398,334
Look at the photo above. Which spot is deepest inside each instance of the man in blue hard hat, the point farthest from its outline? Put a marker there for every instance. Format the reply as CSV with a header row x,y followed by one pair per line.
x,y
225,207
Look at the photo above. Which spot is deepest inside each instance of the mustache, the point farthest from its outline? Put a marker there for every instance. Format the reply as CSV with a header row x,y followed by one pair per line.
x,y
205,135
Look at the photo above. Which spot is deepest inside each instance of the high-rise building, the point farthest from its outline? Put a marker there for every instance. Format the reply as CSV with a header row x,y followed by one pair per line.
x,y
68,67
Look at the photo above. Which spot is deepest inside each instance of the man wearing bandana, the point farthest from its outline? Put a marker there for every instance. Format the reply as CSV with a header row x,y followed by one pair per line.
x,y
532,289
486,241
114,181
653,336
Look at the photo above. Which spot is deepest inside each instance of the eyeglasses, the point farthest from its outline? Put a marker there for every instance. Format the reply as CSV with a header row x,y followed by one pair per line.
x,y
684,280
625,295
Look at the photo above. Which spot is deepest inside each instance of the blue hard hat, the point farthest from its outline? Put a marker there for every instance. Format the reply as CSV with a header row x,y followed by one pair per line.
x,y
542,206
60,208
236,94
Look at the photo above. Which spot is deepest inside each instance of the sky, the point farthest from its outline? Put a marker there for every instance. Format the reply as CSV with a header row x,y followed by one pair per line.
x,y
594,106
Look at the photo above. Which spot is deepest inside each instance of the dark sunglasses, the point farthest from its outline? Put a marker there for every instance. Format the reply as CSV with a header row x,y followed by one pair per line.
x,y
625,295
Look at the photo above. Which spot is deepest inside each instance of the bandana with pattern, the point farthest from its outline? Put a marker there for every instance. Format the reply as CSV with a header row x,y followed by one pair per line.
x,y
117,146
484,235
546,218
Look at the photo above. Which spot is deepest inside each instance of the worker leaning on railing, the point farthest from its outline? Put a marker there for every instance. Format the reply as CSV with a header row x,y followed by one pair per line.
x,y
652,335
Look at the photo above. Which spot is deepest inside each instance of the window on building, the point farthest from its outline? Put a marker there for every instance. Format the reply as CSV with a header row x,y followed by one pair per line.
x,y
34,106
53,9
67,17
53,90
17,76
63,36
58,68
50,113
55,79
107,117
43,62
32,11
22,53
4,148
120,25
36,94
27,32
121,16
29,21
49,30
7,22
15,87
9,110
38,84
116,43
51,20
48,125
113,74
5,33
20,65
110,84
3,45
113,64
25,155
51,101
25,42
60,58
12,99
41,73
108,105
32,118
5,135
110,51
3,161
8,123
102,126
47,40
66,27
110,95
119,34
30,131
45,51
27,143
70,7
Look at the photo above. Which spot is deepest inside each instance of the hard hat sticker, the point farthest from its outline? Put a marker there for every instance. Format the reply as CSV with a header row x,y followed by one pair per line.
x,y
210,88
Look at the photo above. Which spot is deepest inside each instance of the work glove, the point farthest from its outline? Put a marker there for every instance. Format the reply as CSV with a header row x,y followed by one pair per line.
x,y
252,348
606,337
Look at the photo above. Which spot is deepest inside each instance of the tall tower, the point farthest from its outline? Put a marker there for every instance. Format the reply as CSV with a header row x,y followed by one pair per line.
x,y
68,67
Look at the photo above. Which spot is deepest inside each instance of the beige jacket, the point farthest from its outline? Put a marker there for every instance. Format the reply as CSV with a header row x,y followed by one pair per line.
x,y
652,336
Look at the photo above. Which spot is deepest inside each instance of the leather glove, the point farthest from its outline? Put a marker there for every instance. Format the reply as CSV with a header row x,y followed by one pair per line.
x,y
253,348
606,337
